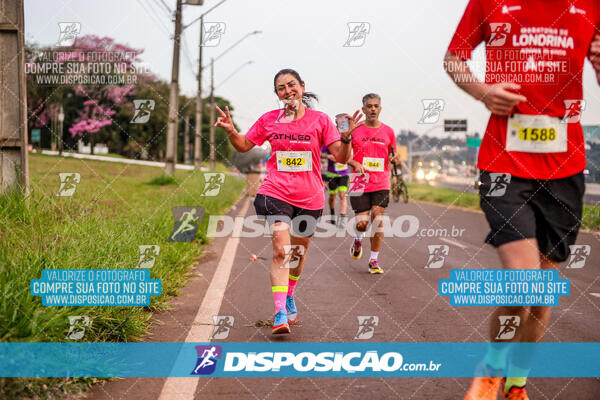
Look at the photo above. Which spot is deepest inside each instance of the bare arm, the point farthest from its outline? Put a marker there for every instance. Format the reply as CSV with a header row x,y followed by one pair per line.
x,y
405,167
594,55
239,142
498,98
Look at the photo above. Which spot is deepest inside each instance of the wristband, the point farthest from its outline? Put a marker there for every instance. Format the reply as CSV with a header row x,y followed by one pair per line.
x,y
347,140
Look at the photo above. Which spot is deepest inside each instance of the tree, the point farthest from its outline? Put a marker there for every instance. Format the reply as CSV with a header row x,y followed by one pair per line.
x,y
102,97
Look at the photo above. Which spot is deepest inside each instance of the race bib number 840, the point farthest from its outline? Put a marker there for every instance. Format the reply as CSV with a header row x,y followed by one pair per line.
x,y
294,161
536,134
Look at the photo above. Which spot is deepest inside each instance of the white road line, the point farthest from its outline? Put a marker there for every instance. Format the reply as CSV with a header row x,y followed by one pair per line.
x,y
202,326
455,243
595,294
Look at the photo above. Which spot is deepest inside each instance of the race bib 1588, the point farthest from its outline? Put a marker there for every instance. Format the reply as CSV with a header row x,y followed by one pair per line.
x,y
536,134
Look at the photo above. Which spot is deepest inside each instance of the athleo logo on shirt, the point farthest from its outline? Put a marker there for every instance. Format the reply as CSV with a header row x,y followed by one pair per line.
x,y
375,139
285,136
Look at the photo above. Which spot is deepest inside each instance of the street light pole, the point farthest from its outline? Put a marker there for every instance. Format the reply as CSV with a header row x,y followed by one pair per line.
x,y
199,110
198,126
171,160
212,113
61,118
186,139
233,73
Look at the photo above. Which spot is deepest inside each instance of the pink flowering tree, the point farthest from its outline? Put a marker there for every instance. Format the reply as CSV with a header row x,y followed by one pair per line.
x,y
89,104
115,63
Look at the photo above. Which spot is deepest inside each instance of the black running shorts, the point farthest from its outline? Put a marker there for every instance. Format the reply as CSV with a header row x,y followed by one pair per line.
x,y
302,221
367,200
338,183
548,210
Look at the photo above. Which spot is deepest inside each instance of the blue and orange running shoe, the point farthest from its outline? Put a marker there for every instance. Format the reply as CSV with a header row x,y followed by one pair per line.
x,y
356,249
292,312
374,267
280,323
484,387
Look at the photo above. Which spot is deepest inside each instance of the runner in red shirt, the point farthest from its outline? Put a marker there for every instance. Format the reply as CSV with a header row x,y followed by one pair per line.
x,y
371,155
291,195
532,154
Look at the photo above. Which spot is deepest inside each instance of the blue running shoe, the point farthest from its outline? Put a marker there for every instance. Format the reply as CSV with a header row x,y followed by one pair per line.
x,y
292,312
280,323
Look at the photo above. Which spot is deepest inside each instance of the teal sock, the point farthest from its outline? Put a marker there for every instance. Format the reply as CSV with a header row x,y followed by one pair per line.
x,y
495,357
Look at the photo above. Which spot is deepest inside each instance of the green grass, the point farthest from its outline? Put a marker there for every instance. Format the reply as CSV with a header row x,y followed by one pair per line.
x,y
163,180
419,192
113,210
443,196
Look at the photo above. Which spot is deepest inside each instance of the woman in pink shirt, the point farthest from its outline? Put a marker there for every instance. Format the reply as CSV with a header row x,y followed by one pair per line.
x,y
292,193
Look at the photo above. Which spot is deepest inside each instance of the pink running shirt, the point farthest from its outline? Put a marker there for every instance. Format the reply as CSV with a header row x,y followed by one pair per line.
x,y
294,168
372,149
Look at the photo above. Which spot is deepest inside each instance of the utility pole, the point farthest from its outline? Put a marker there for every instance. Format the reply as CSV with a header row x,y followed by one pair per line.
x,y
52,130
174,98
198,127
212,113
14,166
61,118
186,141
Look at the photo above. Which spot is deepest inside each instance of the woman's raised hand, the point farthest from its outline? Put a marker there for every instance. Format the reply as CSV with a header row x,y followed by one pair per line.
x,y
224,121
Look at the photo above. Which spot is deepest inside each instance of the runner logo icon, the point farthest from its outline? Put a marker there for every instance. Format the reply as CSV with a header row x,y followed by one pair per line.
x,y
212,183
77,325
148,254
143,108
508,326
366,326
499,183
358,183
499,34
68,183
573,110
293,255
223,323
186,223
207,359
437,255
579,254
68,33
212,32
357,33
432,109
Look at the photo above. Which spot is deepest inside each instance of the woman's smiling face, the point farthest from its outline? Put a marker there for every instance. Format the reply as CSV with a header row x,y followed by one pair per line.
x,y
289,90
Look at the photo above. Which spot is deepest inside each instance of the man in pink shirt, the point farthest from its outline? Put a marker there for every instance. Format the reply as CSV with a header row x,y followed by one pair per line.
x,y
291,196
372,146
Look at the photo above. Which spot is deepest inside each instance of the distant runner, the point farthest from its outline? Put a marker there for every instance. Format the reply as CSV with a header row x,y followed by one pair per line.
x,y
338,175
371,146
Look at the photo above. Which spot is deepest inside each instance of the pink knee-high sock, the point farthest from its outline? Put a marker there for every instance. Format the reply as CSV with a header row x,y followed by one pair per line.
x,y
292,284
279,295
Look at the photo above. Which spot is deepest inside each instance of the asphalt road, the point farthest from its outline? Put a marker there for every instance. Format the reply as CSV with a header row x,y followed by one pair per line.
x,y
335,289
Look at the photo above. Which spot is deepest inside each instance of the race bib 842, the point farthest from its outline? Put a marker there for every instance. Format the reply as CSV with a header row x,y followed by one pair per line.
x,y
294,161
